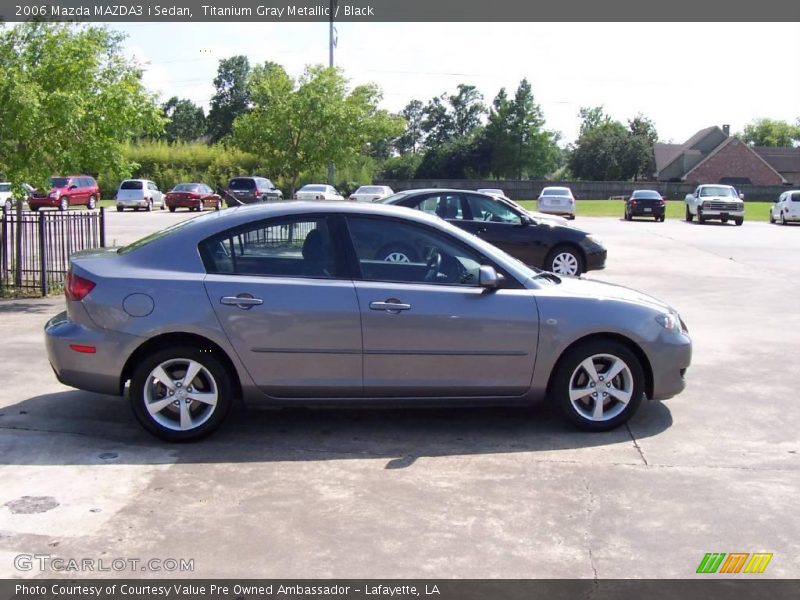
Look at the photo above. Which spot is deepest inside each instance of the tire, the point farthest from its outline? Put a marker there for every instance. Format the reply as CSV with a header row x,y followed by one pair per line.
x,y
397,253
8,205
700,218
689,215
624,391
565,260
738,220
149,207
91,203
34,208
662,218
135,209
171,209
200,206
783,219
64,204
120,209
218,205
771,218
571,217
194,419
628,217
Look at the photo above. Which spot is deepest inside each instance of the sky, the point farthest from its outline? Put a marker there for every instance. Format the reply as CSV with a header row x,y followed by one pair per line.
x,y
683,76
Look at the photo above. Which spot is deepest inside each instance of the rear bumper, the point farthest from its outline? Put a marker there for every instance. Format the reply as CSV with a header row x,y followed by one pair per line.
x,y
557,210
182,203
100,371
647,211
132,203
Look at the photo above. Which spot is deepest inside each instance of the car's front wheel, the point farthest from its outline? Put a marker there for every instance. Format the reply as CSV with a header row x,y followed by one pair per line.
x,y
565,260
91,203
181,394
689,215
598,385
64,204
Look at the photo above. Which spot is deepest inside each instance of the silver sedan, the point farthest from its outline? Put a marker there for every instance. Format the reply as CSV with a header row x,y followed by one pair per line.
x,y
295,303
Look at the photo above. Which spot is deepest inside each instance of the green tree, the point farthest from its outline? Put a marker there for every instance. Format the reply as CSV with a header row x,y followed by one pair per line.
x,y
592,117
232,97
412,138
301,125
467,109
642,136
771,132
601,152
69,99
437,123
186,122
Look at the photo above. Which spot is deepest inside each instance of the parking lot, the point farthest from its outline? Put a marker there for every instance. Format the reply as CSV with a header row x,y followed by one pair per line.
x,y
475,493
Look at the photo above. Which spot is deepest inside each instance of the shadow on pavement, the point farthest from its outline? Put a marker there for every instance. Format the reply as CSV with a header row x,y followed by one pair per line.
x,y
76,427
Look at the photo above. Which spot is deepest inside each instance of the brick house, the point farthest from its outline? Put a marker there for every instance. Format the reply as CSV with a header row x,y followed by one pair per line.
x,y
785,161
712,155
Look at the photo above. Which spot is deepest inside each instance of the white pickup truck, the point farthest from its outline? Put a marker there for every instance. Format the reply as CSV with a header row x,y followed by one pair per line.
x,y
715,201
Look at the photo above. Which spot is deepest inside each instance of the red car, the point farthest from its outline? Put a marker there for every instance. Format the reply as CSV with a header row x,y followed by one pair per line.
x,y
194,196
68,191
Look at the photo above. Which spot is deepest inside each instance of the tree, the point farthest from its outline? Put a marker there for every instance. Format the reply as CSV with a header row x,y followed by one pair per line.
x,y
301,125
641,161
600,153
770,132
520,146
232,97
437,123
592,117
412,138
69,99
186,122
468,108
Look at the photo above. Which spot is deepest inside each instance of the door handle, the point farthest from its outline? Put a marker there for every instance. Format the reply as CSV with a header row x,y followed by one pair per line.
x,y
243,301
390,306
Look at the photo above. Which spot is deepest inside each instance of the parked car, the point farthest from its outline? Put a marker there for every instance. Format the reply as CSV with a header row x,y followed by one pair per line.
x,y
317,191
246,190
535,214
556,201
7,194
74,190
645,203
194,196
786,209
288,304
139,193
715,201
371,193
538,243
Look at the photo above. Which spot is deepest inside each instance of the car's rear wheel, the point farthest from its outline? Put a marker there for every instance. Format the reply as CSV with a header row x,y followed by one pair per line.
x,y
783,219
91,203
64,204
181,394
171,209
628,216
120,209
565,260
399,253
598,385
689,215
149,207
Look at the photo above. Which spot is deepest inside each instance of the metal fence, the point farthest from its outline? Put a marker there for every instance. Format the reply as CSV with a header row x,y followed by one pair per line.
x,y
35,247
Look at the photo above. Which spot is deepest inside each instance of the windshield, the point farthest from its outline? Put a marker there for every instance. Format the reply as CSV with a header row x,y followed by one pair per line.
x,y
186,187
718,190
5,187
313,188
369,189
131,185
59,181
393,198
555,192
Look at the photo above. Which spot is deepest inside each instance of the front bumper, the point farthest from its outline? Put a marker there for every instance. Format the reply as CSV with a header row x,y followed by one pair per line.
x,y
669,359
43,202
100,371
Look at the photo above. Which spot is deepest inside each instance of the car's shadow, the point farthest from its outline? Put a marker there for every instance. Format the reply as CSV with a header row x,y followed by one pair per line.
x,y
75,427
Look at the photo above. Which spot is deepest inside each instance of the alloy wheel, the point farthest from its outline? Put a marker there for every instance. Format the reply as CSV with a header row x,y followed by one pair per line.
x,y
180,394
600,387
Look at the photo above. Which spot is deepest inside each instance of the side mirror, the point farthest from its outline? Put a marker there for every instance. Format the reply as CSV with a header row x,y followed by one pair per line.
x,y
741,196
689,196
489,278
526,220
73,187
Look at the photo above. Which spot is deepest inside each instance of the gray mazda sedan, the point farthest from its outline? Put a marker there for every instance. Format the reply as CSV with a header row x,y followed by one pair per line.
x,y
295,303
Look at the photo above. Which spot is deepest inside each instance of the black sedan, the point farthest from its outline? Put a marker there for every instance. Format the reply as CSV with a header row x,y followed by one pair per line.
x,y
645,203
538,243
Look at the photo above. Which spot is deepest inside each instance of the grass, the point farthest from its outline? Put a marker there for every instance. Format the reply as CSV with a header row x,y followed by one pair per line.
x,y
753,211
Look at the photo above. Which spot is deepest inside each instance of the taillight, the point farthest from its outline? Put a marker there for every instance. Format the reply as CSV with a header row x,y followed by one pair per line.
x,y
76,287
661,202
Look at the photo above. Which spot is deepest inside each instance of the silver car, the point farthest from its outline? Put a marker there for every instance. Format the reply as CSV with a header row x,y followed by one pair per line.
x,y
139,193
292,304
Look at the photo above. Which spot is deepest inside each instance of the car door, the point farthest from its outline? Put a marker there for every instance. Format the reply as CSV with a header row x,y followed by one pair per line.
x,y
509,230
293,320
429,329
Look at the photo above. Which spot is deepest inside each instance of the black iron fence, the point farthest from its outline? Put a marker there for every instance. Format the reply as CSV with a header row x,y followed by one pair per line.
x,y
35,247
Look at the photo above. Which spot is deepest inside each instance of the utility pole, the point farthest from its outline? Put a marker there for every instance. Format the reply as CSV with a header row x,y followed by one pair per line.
x,y
331,45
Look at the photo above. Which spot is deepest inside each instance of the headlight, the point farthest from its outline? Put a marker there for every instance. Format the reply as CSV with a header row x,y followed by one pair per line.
x,y
671,322
53,195
593,240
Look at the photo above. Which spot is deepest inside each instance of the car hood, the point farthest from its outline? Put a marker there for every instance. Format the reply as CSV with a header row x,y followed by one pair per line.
x,y
721,198
600,290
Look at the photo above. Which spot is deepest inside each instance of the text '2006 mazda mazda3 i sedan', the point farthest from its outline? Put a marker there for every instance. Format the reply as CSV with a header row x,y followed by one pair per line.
x,y
295,304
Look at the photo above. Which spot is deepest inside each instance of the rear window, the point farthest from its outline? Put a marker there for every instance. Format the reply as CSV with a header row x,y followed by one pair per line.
x,y
369,189
647,194
313,188
5,187
795,196
242,183
131,185
555,192
186,187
